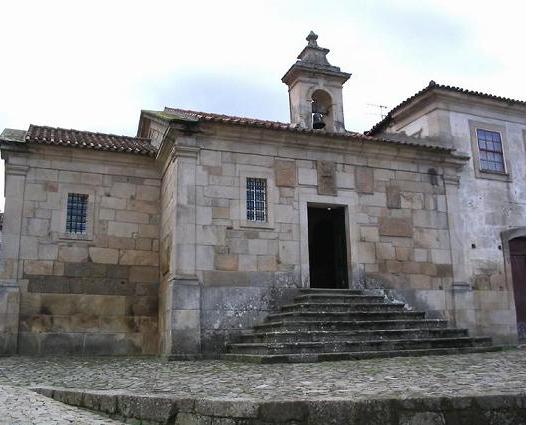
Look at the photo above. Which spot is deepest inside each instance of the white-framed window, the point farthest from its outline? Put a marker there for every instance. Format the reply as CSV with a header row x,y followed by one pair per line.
x,y
257,200
77,213
490,157
490,150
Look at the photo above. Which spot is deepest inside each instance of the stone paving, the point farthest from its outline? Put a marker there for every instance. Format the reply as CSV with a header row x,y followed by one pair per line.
x,y
454,375
19,406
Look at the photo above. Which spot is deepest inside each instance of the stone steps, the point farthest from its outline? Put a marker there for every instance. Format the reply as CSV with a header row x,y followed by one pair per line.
x,y
336,324
315,325
356,355
338,298
346,315
342,307
304,347
323,291
350,335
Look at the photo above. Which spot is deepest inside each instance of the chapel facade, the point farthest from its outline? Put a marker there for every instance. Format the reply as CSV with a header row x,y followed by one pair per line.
x,y
174,241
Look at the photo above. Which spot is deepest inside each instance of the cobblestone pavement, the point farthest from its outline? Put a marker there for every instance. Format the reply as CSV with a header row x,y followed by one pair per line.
x,y
19,406
456,375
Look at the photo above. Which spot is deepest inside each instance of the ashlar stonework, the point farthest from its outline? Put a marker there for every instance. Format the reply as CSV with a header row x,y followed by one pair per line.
x,y
181,251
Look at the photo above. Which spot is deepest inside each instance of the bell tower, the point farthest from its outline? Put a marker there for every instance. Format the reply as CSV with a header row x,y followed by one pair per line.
x,y
315,89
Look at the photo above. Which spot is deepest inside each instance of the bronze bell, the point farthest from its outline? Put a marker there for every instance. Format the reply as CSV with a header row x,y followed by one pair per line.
x,y
318,121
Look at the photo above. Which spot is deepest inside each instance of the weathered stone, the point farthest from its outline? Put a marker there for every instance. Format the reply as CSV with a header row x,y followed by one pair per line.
x,y
104,255
307,176
138,258
285,173
423,418
393,195
37,267
393,226
385,251
326,178
116,228
364,179
226,262
192,419
267,263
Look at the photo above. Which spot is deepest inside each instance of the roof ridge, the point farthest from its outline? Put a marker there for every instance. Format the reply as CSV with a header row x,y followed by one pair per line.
x,y
431,86
190,111
143,139
275,125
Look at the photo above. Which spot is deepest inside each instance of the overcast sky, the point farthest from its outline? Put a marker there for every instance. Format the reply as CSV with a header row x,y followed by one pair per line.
x,y
94,65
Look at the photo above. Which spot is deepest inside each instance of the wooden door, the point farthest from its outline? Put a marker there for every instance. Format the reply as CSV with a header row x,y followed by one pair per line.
x,y
518,270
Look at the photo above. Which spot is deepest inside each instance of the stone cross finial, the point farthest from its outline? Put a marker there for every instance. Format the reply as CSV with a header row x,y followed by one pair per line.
x,y
312,39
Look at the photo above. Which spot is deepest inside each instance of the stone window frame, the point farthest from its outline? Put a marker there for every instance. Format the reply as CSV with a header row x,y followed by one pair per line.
x,y
486,174
77,213
272,197
258,190
60,223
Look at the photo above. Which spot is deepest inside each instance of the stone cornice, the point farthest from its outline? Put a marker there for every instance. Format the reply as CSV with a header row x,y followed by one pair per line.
x,y
343,146
16,169
185,151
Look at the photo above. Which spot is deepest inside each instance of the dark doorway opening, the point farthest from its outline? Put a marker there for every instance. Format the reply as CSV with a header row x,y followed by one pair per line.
x,y
328,266
518,271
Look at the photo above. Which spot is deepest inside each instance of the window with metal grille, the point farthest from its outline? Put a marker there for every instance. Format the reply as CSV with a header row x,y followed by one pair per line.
x,y
490,149
76,213
256,199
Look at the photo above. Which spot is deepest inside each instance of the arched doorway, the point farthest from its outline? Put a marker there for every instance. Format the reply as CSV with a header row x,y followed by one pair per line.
x,y
518,275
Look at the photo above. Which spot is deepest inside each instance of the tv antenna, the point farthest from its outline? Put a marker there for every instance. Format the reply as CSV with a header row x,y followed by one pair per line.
x,y
382,109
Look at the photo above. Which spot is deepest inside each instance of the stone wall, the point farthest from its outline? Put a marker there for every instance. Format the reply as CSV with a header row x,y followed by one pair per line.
x,y
396,211
495,206
96,294
483,208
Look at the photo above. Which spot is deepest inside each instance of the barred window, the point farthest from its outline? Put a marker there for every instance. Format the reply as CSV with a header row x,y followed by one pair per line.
x,y
76,213
256,199
491,153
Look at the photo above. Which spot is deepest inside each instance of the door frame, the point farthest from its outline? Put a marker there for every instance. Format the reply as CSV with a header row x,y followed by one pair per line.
x,y
506,236
346,240
347,200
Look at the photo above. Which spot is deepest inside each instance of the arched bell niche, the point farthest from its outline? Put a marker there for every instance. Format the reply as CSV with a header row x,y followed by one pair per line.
x,y
321,110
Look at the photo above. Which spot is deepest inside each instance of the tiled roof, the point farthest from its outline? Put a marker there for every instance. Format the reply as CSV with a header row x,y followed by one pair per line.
x,y
88,140
13,135
196,116
381,125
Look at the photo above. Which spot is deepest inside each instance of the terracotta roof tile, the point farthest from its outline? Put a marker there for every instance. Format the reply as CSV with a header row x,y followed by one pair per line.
x,y
196,116
89,140
381,125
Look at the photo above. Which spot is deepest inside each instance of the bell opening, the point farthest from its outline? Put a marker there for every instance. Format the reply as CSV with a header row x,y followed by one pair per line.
x,y
320,107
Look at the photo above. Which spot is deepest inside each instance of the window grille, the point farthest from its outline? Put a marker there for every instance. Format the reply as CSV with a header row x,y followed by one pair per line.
x,y
76,213
491,153
256,200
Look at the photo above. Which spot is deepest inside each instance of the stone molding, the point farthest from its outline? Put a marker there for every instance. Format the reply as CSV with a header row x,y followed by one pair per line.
x,y
368,150
16,169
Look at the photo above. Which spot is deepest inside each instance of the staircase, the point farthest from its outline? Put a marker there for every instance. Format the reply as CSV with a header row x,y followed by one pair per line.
x,y
337,324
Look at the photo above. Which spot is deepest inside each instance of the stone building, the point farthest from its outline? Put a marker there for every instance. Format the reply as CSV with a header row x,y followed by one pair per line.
x,y
172,242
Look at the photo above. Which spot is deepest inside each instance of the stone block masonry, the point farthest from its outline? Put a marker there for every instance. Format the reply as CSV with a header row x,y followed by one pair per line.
x,y
94,293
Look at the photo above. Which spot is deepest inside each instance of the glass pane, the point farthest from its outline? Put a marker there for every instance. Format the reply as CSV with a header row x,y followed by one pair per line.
x,y
76,214
256,199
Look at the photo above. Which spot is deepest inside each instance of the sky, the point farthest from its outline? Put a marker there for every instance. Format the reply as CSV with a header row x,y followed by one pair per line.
x,y
94,65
